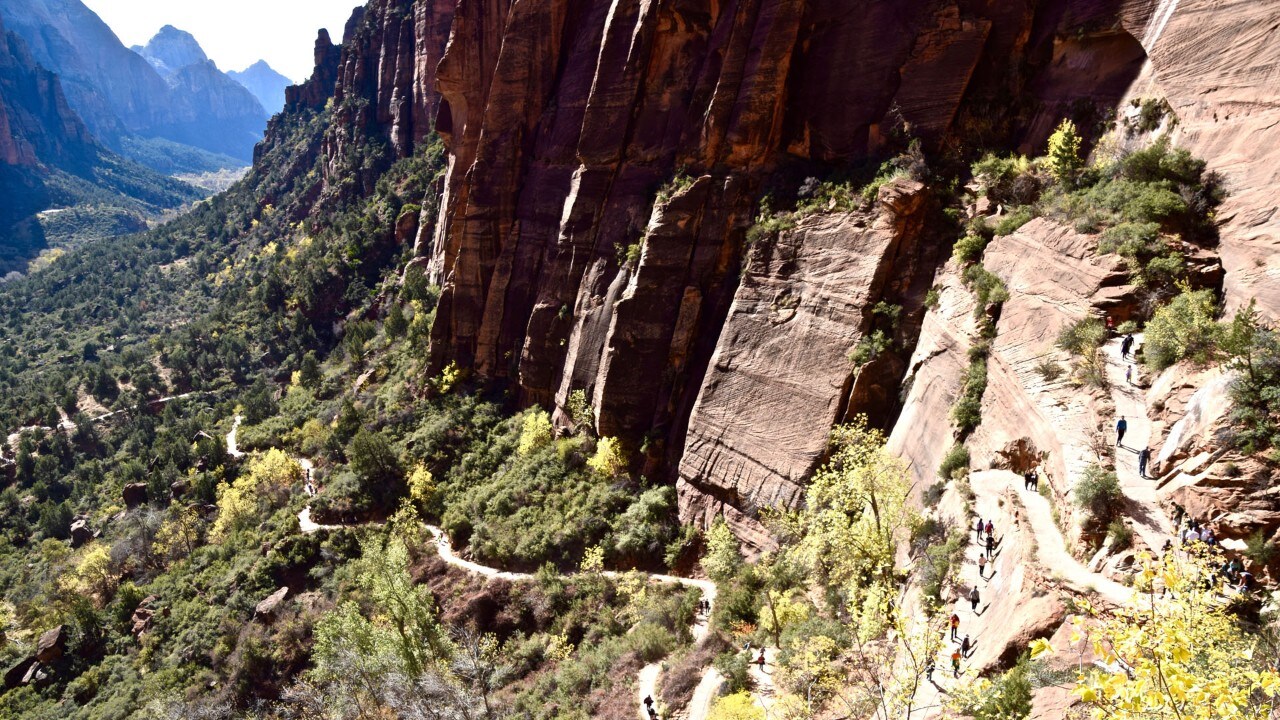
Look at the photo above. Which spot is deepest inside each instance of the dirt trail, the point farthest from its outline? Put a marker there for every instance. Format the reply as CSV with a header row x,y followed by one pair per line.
x,y
647,681
66,425
1052,546
1148,517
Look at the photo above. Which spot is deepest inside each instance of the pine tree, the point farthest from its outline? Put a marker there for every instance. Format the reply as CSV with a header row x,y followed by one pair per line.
x,y
1064,153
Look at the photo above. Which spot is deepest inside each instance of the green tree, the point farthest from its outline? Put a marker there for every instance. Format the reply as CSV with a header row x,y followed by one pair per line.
x,y
377,466
1064,154
1184,329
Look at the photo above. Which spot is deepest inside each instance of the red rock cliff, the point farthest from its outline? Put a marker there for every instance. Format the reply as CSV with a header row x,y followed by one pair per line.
x,y
606,160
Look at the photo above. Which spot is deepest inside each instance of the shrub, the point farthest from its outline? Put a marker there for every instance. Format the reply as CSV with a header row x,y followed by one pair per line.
x,y
1083,336
1183,329
931,299
969,248
933,494
966,414
1008,698
1011,221
955,461
647,526
1121,535
1049,370
1259,549
1009,180
986,286
1098,494
1064,153
940,560
535,431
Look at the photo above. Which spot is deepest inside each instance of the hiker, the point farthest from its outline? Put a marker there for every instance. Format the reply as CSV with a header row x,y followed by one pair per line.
x,y
990,529
1126,345
1111,325
974,598
991,546
1144,456
1128,375
982,566
955,625
955,664
760,660
928,671
1029,479
964,646
648,701
978,529
653,714
1121,426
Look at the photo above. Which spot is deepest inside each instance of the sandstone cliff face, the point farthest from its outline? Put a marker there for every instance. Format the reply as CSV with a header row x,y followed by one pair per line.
x,y
36,123
564,120
781,375
1216,63
605,162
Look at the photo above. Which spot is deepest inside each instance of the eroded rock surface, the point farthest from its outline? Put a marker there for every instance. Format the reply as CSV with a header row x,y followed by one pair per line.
x,y
781,374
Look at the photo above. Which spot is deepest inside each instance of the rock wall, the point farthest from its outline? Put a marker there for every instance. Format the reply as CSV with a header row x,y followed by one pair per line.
x,y
1055,278
606,160
781,376
1217,64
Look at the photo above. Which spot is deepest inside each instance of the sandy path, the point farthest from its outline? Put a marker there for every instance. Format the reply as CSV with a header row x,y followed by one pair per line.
x,y
1149,519
647,681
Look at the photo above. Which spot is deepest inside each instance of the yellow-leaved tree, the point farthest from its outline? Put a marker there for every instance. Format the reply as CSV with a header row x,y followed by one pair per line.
x,y
855,516
267,479
856,512
1177,652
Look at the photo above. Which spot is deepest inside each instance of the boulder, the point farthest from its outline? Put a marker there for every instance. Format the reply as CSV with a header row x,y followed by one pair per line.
x,y
51,645
179,488
134,494
17,673
268,607
80,533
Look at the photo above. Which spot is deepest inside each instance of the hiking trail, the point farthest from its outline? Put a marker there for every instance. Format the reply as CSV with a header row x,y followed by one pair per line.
x,y
1149,519
708,687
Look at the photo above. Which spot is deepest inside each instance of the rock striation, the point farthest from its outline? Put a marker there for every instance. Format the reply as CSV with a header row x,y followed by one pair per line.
x,y
781,375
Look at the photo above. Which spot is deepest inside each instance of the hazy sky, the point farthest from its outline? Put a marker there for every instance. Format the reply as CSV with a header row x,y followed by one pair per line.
x,y
234,33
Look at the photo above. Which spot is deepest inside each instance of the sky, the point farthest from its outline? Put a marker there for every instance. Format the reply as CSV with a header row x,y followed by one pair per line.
x,y
234,33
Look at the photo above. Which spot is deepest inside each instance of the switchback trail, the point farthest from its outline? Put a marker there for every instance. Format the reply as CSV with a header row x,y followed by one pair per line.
x,y
647,681
1149,519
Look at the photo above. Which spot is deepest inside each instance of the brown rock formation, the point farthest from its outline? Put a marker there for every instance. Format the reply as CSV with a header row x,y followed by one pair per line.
x,y
1055,278
781,375
1216,65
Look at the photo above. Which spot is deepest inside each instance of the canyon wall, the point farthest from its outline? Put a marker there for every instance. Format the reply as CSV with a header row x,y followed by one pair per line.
x,y
606,161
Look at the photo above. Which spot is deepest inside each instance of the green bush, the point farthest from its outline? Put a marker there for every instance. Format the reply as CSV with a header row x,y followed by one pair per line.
x,y
1121,535
966,413
1014,219
1098,494
734,666
1259,549
1007,180
955,461
987,288
969,248
1008,698
1083,336
1184,329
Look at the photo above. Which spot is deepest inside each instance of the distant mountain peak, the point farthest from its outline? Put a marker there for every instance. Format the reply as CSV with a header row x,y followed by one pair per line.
x,y
172,50
265,83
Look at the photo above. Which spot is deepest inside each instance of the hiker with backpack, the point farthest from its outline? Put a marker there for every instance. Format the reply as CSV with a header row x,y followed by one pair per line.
x,y
955,625
974,597
964,646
